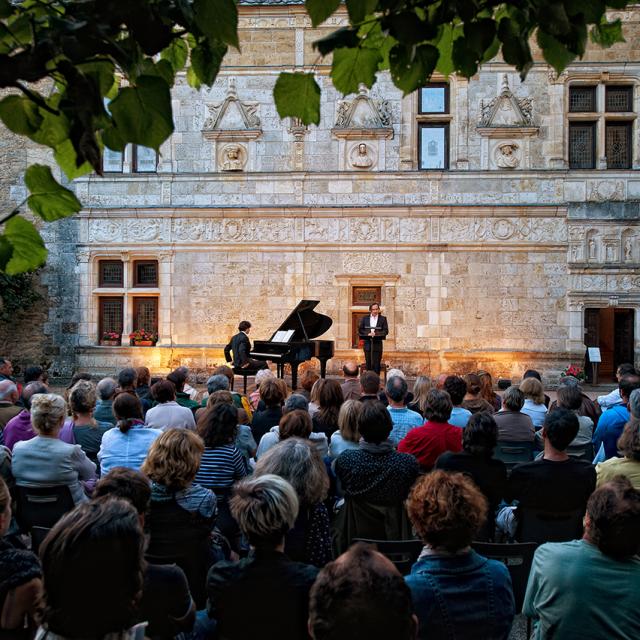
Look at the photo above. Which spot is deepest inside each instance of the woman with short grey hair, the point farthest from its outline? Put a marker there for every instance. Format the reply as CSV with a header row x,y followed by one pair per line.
x,y
297,461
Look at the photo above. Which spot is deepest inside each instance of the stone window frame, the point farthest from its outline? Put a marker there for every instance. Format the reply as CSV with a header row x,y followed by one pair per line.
x,y
435,120
129,162
601,117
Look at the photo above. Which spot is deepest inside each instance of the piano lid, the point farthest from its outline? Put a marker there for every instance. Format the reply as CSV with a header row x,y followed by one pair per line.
x,y
306,323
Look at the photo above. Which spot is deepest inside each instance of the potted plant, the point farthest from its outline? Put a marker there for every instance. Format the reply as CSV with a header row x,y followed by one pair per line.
x,y
574,370
111,339
143,338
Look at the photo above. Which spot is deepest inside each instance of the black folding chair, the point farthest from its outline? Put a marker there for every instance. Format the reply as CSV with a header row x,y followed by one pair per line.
x,y
541,525
513,453
403,553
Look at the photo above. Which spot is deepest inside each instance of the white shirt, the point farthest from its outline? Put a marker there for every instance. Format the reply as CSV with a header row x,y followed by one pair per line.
x,y
373,321
168,415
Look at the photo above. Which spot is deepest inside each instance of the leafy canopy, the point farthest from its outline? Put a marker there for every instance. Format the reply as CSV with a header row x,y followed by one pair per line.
x,y
66,60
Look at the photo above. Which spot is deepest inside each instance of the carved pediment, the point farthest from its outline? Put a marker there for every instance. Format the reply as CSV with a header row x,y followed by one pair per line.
x,y
506,111
364,115
233,118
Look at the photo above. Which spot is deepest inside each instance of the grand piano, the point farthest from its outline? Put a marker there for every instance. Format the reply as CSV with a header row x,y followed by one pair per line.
x,y
293,341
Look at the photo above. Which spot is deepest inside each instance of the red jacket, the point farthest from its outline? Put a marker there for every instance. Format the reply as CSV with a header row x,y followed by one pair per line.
x,y
427,442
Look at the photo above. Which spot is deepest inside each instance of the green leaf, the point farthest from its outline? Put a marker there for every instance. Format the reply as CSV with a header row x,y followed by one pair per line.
x,y
343,37
142,113
28,252
359,9
354,66
49,199
554,52
5,252
320,10
102,72
206,59
464,59
218,20
409,72
161,68
298,95
444,43
66,157
176,54
5,9
20,115
607,34
479,35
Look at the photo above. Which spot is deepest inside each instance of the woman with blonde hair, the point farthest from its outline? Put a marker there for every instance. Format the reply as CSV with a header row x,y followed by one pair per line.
x,y
347,436
629,464
534,405
421,388
297,461
87,431
45,460
181,514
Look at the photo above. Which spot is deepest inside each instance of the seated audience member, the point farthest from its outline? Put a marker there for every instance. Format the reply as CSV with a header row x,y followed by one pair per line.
x,y
532,373
440,379
589,588
127,444
143,387
456,387
101,539
254,396
6,369
217,381
487,391
294,423
361,595
330,400
436,436
168,414
556,482
629,464
20,578
45,460
479,440
9,397
534,401
613,398
106,390
245,442
87,431
265,595
375,472
589,408
347,436
473,400
370,386
395,373
308,378
351,385
182,514
569,397
188,389
456,592
273,398
296,460
19,428
612,421
421,387
35,373
179,378
166,602
403,419
127,380
513,425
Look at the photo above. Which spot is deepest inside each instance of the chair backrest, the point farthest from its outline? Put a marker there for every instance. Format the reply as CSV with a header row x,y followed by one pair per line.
x,y
583,452
517,557
540,525
403,553
513,453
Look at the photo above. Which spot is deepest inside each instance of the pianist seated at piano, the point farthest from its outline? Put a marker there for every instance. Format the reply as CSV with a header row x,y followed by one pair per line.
x,y
240,345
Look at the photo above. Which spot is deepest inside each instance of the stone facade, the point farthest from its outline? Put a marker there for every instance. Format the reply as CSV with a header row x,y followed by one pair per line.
x,y
489,264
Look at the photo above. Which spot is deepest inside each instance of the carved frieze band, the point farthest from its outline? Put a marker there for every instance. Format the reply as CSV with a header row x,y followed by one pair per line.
x,y
605,245
353,230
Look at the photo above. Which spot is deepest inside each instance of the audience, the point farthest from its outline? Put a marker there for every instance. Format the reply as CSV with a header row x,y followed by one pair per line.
x,y
308,378
569,397
296,460
532,373
514,425
456,387
179,378
613,398
87,431
330,400
351,385
45,460
168,414
9,397
35,373
19,428
106,390
473,400
272,397
589,588
347,436
370,386
487,391
254,396
296,422
629,447
265,595
436,435
143,388
361,595
588,408
403,419
421,387
127,444
456,592
534,401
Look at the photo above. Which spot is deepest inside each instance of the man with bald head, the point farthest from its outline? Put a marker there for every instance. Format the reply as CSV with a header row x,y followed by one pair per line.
x,y
19,428
351,385
8,398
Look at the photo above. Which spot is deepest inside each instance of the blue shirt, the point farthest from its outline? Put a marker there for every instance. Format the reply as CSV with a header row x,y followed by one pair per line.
x,y
125,449
459,417
610,426
403,421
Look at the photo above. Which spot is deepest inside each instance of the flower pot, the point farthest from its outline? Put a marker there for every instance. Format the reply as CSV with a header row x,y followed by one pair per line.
x,y
110,343
143,343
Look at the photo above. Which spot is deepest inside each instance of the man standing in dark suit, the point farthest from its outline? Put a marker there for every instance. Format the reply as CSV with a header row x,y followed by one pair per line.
x,y
373,329
241,347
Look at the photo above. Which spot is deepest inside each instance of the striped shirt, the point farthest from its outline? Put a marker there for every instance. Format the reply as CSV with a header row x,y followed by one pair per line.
x,y
220,467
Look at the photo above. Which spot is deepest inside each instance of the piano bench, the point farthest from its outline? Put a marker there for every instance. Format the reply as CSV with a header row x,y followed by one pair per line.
x,y
245,373
383,369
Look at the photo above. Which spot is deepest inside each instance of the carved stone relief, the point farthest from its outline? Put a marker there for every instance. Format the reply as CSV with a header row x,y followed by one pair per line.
x,y
362,156
232,157
605,190
506,155
367,263
232,114
363,112
506,110
518,229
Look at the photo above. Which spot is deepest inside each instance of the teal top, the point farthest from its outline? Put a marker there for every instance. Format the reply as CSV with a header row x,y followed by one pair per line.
x,y
575,592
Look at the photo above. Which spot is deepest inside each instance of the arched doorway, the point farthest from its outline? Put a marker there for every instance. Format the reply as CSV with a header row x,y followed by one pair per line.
x,y
612,330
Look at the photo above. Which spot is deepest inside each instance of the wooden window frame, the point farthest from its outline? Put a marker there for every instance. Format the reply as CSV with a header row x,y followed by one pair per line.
x,y
447,95
101,301
628,124
145,285
135,307
110,285
594,146
593,88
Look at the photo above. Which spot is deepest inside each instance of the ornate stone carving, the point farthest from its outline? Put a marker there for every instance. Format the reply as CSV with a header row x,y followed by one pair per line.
x,y
362,156
143,229
606,190
516,229
506,110
104,231
507,155
367,263
363,113
232,157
